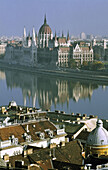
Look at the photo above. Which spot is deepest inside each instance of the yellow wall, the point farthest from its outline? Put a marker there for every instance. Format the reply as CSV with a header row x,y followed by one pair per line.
x,y
100,150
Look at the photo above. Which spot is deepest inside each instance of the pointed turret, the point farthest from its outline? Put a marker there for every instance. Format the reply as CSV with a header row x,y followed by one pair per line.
x,y
68,36
33,34
29,35
36,37
33,37
24,34
29,40
45,21
55,36
36,34
91,45
62,34
105,44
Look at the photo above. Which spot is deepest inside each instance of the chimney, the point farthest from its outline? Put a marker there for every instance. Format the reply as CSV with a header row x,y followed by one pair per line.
x,y
78,114
50,153
25,153
27,110
6,158
3,110
27,128
53,154
84,115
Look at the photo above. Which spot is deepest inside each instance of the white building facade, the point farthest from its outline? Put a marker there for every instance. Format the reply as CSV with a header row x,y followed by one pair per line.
x,y
81,54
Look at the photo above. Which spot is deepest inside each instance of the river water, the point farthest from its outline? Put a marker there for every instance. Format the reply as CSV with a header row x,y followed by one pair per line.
x,y
54,93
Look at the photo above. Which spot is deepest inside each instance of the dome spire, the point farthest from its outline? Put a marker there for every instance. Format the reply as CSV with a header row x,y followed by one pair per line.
x,y
62,34
68,36
45,21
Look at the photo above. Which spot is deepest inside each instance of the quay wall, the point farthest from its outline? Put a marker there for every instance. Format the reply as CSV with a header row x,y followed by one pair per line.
x,y
76,74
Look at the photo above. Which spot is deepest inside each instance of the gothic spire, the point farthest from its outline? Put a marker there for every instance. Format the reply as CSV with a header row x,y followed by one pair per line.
x,y
55,35
33,33
24,34
29,34
33,36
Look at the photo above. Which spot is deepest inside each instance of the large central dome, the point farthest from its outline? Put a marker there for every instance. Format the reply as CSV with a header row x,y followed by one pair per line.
x,y
45,28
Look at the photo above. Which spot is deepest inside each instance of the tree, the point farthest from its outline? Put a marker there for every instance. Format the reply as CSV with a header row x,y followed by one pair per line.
x,y
97,65
97,56
85,65
72,63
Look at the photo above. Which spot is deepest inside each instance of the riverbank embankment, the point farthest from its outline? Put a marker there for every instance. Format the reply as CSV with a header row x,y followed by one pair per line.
x,y
68,73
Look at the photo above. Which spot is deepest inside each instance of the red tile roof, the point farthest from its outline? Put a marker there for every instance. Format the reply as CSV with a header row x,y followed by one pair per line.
x,y
17,131
38,127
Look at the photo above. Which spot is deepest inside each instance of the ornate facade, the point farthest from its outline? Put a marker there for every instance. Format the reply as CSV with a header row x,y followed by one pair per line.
x,y
46,49
82,53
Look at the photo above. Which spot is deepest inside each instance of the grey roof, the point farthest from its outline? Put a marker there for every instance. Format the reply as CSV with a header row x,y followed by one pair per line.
x,y
99,136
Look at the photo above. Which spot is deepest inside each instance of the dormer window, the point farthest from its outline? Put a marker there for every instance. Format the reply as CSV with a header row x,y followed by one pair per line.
x,y
42,135
51,133
28,138
14,141
102,142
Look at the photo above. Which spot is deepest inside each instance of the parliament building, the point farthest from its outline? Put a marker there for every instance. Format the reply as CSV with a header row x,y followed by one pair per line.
x,y
44,48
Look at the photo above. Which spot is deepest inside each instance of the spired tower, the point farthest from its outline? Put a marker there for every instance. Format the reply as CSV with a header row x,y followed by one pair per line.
x,y
29,50
68,39
97,142
24,37
105,45
44,35
34,47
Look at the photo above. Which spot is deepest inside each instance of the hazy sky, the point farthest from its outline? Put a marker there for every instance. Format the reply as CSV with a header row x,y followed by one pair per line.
x,y
89,16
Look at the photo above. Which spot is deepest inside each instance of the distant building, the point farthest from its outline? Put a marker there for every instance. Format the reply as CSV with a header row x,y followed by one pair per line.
x,y
82,36
3,48
90,37
100,48
42,48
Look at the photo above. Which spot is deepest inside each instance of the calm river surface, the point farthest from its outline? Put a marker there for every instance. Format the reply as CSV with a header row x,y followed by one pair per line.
x,y
54,93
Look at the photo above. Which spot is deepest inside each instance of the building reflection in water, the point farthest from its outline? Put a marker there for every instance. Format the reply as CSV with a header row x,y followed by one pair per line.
x,y
47,90
2,75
